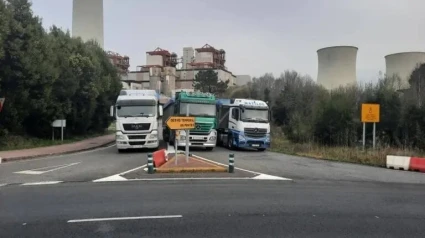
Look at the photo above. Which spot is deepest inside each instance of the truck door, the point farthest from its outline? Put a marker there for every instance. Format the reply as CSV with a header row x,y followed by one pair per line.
x,y
234,117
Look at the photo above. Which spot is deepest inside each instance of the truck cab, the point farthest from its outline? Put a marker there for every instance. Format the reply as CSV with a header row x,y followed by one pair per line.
x,y
243,123
198,105
137,113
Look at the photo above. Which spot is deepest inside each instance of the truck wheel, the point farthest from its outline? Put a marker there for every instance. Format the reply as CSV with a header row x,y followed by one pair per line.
x,y
229,142
120,150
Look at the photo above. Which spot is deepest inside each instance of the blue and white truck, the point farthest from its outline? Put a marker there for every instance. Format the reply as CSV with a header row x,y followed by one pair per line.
x,y
243,123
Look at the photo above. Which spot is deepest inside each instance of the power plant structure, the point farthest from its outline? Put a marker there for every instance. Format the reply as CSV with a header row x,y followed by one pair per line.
x,y
402,65
87,20
167,73
337,66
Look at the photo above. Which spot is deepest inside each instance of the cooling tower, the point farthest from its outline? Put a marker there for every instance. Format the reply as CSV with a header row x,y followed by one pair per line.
x,y
337,66
87,20
402,65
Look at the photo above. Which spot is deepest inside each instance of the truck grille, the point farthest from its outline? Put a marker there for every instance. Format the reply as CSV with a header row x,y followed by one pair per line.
x,y
137,142
255,132
137,126
201,127
136,137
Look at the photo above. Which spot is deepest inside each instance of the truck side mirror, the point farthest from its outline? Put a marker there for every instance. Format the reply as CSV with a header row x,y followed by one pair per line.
x,y
111,111
160,110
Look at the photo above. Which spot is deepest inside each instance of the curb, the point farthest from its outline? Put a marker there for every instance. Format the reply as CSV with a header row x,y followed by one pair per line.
x,y
190,170
3,160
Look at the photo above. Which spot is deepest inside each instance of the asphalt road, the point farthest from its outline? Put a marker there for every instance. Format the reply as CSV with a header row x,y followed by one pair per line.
x,y
324,199
214,209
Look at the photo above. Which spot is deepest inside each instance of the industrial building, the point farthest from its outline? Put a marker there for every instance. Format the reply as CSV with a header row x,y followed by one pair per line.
x,y
166,72
402,64
337,66
87,20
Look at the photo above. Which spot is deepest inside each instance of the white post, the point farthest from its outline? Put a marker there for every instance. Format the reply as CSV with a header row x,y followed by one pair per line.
x,y
364,134
187,137
62,130
374,135
175,145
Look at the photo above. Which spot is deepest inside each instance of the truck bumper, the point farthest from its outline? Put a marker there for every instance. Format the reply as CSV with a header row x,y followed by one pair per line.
x,y
196,144
123,145
253,144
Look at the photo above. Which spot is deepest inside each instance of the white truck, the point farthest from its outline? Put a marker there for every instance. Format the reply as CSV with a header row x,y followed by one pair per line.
x,y
137,114
243,123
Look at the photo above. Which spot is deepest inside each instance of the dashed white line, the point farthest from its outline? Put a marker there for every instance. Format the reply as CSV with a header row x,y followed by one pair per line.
x,y
41,183
3,184
124,218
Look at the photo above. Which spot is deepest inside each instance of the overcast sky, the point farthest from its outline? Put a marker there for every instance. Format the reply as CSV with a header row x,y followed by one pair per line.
x,y
258,36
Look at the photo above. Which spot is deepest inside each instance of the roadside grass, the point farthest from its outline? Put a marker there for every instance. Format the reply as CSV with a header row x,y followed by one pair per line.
x,y
372,157
15,142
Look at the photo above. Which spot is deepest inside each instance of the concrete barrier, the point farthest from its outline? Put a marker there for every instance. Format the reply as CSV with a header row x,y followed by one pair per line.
x,y
159,157
398,162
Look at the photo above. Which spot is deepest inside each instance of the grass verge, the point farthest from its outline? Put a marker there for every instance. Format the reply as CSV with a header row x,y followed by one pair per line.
x,y
14,142
375,157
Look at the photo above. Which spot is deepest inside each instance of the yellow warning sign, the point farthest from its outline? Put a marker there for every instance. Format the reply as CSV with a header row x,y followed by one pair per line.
x,y
370,112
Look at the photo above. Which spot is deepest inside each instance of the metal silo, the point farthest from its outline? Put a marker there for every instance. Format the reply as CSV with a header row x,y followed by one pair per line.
x,y
337,66
87,20
402,64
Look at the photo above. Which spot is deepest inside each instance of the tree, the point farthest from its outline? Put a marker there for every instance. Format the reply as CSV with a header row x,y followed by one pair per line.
x,y
48,76
207,81
267,95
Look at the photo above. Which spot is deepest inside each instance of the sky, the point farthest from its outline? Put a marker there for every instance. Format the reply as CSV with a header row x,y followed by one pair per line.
x,y
267,36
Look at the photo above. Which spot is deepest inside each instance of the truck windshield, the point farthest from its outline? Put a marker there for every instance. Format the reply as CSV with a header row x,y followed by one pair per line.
x,y
255,115
196,109
136,111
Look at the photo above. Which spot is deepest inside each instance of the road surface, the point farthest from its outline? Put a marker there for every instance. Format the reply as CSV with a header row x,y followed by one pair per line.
x,y
320,199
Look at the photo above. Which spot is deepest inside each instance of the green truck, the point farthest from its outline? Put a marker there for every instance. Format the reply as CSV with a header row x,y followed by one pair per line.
x,y
202,107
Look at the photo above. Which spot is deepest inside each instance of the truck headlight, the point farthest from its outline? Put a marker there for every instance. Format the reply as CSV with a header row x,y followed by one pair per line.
x,y
182,137
213,138
121,137
241,138
268,137
153,136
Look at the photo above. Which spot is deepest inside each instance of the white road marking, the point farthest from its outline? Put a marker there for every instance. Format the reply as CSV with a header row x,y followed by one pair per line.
x,y
41,183
42,170
269,177
259,175
131,170
118,177
3,184
124,218
112,178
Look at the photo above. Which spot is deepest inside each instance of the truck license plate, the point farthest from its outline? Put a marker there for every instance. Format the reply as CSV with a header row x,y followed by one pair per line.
x,y
197,137
255,145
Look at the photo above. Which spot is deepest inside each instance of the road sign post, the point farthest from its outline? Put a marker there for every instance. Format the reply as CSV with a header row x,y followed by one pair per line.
x,y
187,135
182,123
370,114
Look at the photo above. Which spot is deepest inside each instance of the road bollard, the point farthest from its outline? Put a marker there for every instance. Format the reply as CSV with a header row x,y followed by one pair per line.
x,y
231,163
150,163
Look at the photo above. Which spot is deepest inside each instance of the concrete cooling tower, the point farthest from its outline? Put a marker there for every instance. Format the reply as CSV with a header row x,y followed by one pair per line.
x,y
402,65
337,66
87,20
